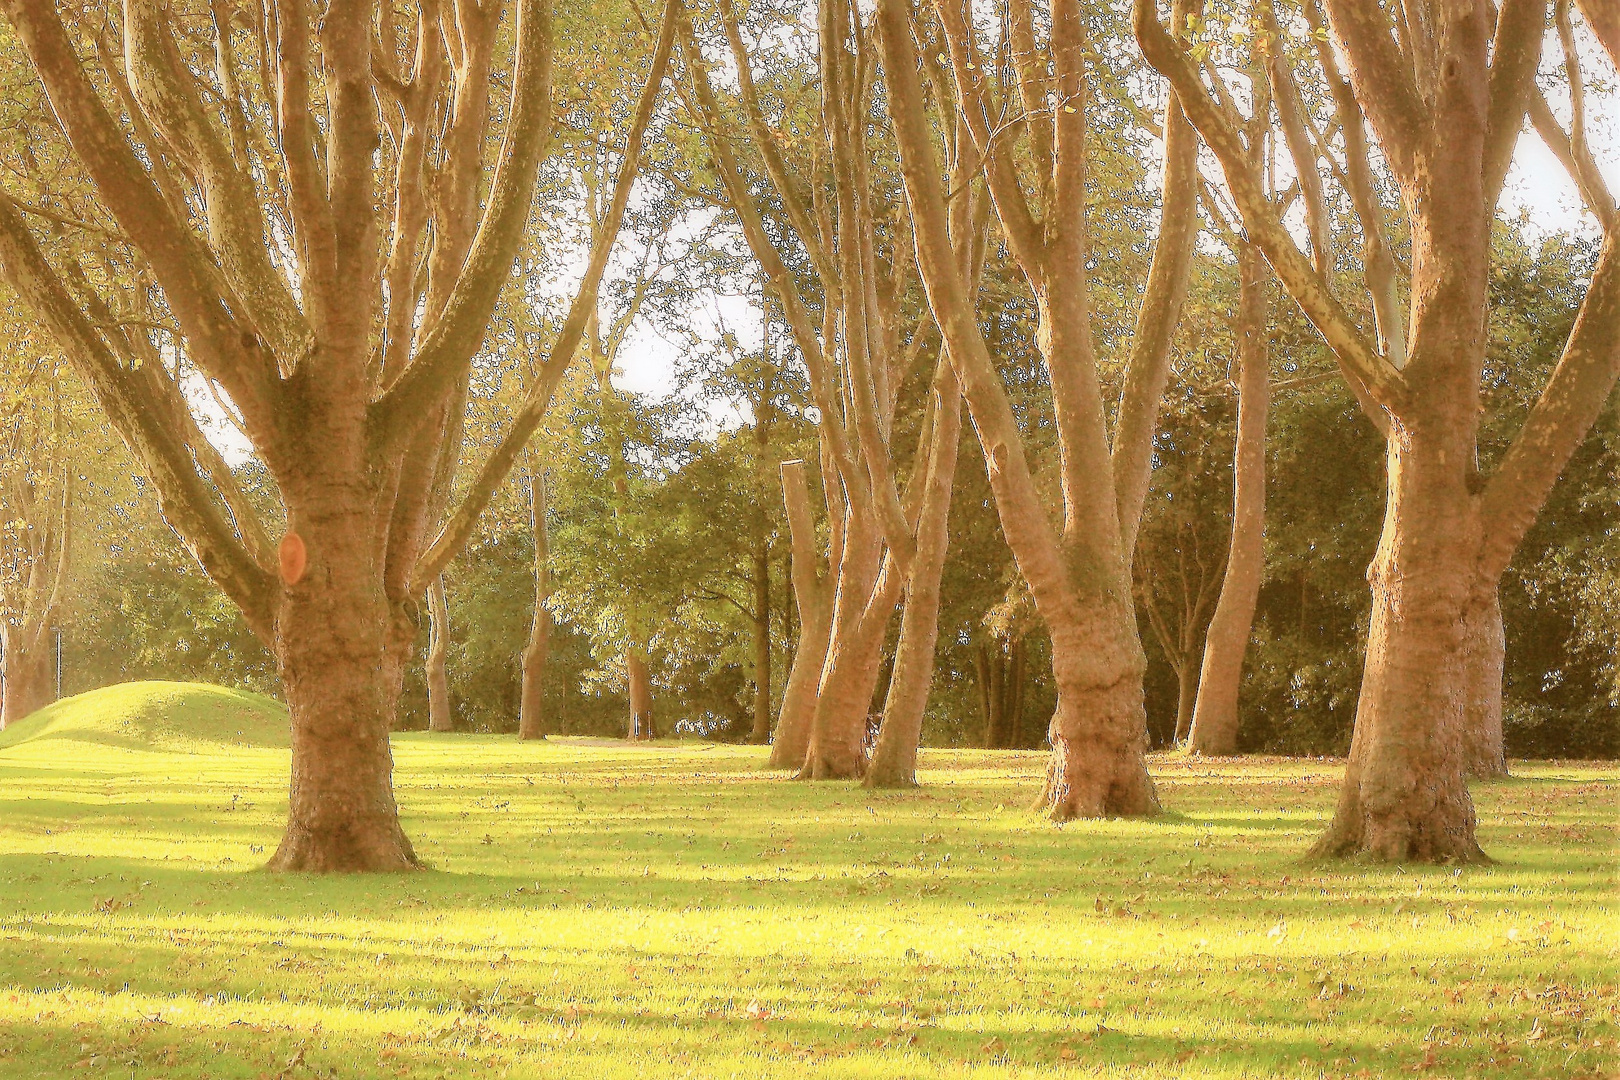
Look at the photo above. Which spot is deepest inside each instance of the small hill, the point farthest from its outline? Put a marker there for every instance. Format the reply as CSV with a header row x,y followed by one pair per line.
x,y
167,716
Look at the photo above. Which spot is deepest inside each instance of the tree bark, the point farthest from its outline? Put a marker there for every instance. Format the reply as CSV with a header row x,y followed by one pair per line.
x,y
641,697
761,732
1215,714
1081,575
532,707
1447,116
810,593
894,758
341,650
1186,692
867,587
438,684
1484,645
25,674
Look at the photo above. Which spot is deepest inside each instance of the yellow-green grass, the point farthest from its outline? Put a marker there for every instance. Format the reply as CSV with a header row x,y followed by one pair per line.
x,y
599,910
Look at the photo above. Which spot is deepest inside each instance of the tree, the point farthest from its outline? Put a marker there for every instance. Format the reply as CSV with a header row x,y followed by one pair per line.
x,y
1214,721
1079,574
327,251
843,220
36,501
531,709
1445,99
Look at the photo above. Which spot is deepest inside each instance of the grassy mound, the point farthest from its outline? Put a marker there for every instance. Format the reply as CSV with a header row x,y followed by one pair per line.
x,y
166,716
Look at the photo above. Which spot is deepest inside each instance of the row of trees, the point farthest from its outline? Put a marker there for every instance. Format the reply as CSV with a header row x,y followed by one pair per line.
x,y
314,223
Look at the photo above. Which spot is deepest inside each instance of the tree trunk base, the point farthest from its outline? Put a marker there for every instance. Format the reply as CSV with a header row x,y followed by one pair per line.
x,y
1081,786
1098,765
363,847
886,778
822,767
1444,834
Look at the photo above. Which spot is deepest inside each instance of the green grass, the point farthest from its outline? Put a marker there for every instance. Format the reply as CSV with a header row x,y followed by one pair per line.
x,y
673,910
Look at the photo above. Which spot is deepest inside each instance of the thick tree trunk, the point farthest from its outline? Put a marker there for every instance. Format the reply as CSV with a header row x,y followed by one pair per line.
x,y
894,758
438,683
532,707
1405,795
810,593
26,683
1215,716
1484,649
761,732
641,698
340,651
1098,766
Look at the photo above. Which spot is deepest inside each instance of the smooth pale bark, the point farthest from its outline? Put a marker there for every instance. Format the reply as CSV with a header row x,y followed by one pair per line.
x,y
812,597
864,596
894,757
761,732
1485,652
1214,721
532,706
438,683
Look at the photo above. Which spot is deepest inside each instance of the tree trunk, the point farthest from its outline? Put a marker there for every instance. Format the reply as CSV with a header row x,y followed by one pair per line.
x,y
641,699
1215,716
761,732
1484,648
864,600
531,709
810,593
438,684
341,654
1186,691
894,758
1405,794
26,684
1099,728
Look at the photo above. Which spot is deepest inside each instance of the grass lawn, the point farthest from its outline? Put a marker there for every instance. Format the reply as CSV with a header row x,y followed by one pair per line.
x,y
599,910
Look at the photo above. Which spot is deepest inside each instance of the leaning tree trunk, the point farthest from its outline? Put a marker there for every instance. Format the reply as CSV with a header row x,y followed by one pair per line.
x,y
811,596
1215,715
438,684
868,586
894,758
25,674
761,732
532,705
1484,646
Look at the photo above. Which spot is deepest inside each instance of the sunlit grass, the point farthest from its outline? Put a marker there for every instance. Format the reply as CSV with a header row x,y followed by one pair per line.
x,y
673,910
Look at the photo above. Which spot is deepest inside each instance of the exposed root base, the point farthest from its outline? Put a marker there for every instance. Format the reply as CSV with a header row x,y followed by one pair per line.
x,y
819,768
386,852
876,781
1337,845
